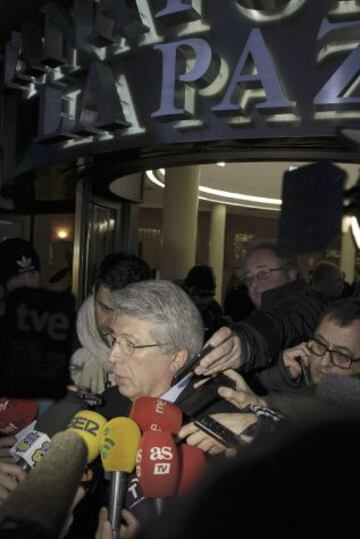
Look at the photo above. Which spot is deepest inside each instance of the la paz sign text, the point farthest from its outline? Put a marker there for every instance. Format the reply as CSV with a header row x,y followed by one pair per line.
x,y
108,69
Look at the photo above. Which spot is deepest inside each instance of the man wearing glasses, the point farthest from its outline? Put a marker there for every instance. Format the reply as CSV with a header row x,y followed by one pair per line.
x,y
287,312
334,349
267,268
155,330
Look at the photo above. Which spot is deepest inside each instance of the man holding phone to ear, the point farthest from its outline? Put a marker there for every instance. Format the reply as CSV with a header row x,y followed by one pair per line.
x,y
333,349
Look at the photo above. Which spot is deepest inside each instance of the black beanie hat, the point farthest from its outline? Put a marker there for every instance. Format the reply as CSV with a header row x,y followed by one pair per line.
x,y
17,256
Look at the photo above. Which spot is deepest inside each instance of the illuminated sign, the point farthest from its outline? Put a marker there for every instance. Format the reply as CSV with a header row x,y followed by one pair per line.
x,y
105,75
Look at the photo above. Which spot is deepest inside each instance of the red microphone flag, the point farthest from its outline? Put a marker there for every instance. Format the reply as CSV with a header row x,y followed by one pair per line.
x,y
154,414
158,465
192,467
16,414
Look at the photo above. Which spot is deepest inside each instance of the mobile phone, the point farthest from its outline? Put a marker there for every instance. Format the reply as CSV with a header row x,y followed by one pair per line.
x,y
221,434
305,370
191,364
204,395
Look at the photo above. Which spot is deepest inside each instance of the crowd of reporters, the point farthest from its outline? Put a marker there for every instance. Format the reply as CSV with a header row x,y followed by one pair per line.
x,y
292,362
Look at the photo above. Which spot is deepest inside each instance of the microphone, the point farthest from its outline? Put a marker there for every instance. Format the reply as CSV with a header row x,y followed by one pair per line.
x,y
16,414
39,506
31,447
193,465
157,466
340,390
119,444
89,425
155,414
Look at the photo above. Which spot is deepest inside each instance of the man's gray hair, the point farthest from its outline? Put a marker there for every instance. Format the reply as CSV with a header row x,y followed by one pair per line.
x,y
176,319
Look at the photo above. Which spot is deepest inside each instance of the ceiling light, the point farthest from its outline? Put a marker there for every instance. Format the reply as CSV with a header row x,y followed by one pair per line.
x,y
153,177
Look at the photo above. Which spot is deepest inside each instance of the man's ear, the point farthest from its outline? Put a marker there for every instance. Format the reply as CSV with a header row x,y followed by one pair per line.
x,y
179,360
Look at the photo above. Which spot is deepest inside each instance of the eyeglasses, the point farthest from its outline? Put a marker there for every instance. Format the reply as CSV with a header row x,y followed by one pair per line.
x,y
339,359
127,347
260,275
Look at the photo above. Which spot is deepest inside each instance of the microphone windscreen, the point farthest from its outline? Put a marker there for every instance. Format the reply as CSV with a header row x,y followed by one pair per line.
x,y
151,413
16,414
58,416
89,425
192,467
340,390
39,506
158,465
120,440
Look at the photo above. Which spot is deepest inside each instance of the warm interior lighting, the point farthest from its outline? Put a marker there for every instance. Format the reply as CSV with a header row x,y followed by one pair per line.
x,y
355,228
62,233
351,222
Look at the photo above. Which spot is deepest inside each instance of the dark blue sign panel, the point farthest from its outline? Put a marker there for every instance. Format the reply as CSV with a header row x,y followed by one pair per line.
x,y
105,76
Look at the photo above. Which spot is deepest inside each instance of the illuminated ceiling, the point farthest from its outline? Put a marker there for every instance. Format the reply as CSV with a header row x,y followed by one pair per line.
x,y
245,187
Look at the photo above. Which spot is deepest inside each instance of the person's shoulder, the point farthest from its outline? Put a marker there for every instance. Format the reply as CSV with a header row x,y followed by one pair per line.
x,y
113,404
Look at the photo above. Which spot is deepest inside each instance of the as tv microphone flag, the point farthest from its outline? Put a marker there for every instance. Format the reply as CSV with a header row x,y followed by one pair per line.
x,y
155,414
158,465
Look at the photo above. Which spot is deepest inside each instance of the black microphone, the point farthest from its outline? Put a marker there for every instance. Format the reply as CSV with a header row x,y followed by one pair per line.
x,y
34,444
340,390
39,506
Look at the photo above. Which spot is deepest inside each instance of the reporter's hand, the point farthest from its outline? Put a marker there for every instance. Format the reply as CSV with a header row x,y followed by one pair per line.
x,y
237,423
226,353
6,442
79,495
131,526
104,530
127,530
10,477
290,359
242,396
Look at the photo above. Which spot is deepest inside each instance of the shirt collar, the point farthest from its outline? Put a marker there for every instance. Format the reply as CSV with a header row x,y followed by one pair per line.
x,y
172,394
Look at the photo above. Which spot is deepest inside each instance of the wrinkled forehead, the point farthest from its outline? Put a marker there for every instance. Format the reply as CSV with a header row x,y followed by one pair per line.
x,y
262,258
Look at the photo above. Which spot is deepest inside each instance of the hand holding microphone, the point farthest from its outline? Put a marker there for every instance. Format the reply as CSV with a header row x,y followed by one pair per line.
x,y
10,476
33,445
40,504
119,444
158,466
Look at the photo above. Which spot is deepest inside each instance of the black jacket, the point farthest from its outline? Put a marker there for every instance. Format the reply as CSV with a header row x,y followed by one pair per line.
x,y
288,316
